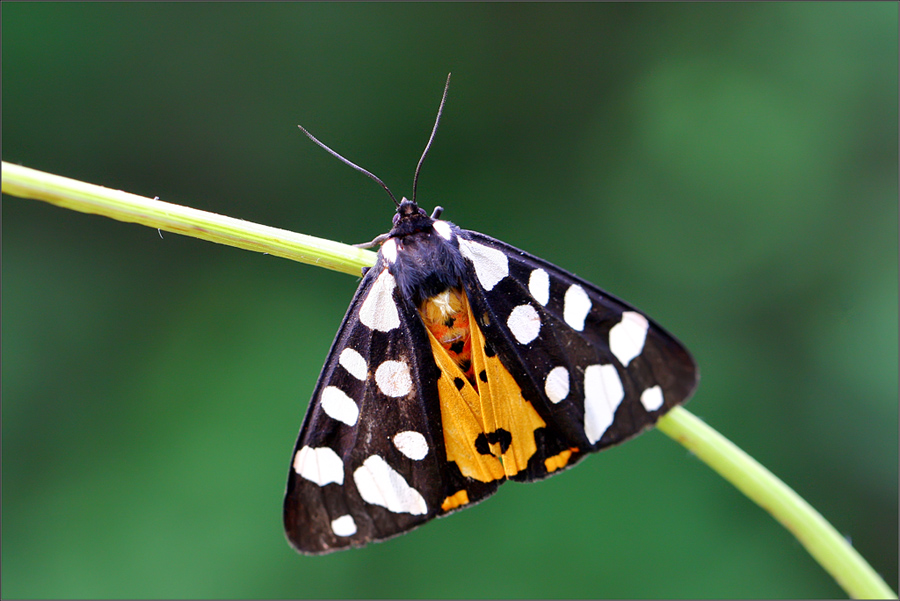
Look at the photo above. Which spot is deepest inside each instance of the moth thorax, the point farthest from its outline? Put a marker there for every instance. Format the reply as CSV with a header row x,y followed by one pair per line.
x,y
446,315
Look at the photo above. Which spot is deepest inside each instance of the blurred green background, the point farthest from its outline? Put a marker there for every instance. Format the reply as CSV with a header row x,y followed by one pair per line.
x,y
731,169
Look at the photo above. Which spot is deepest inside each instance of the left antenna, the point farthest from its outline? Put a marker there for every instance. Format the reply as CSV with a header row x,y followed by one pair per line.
x,y
357,167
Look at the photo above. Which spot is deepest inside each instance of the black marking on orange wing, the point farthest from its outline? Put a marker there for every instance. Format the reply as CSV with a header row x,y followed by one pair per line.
x,y
499,436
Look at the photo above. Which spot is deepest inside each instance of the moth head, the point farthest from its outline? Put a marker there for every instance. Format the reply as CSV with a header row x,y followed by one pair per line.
x,y
408,209
410,219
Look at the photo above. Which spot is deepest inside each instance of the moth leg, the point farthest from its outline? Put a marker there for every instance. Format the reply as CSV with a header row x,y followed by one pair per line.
x,y
378,240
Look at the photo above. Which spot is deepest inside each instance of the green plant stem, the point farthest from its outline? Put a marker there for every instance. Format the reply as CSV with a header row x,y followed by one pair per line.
x,y
122,206
822,541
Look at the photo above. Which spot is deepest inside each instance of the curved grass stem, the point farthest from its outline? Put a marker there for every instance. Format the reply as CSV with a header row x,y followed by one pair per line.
x,y
761,486
122,206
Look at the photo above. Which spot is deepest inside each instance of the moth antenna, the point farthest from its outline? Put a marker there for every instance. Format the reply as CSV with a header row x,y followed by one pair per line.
x,y
433,131
354,165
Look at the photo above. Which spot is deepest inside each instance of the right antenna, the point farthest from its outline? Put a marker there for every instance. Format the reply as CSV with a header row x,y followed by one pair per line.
x,y
433,131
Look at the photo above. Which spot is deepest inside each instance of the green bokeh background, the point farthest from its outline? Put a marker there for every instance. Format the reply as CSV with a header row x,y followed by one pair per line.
x,y
731,169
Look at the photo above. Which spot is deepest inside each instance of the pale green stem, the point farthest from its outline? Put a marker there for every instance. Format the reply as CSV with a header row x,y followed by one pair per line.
x,y
122,206
822,541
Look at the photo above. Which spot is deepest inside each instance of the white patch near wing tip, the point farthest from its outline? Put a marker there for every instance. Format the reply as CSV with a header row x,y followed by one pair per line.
x,y
344,526
354,363
379,311
338,405
393,378
379,484
524,323
539,286
491,265
321,465
556,386
652,398
602,394
627,338
576,306
412,444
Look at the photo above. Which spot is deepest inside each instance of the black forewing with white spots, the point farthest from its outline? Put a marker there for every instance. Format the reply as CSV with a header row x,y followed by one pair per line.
x,y
369,462
595,368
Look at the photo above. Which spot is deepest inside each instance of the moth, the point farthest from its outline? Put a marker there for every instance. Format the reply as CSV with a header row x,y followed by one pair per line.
x,y
461,363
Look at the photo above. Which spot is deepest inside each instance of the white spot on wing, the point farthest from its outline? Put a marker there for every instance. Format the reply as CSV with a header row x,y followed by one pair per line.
x,y
577,304
379,311
602,394
412,444
557,384
320,465
379,484
354,363
524,323
389,250
443,228
344,526
626,338
491,265
339,406
539,286
652,398
393,378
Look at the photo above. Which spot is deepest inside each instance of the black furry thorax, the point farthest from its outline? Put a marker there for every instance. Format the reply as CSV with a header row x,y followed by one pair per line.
x,y
426,263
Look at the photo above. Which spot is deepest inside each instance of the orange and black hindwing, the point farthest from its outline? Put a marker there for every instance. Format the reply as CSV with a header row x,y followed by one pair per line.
x,y
463,362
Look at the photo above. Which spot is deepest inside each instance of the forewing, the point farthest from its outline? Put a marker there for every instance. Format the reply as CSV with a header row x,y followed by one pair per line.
x,y
369,462
596,369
